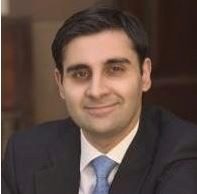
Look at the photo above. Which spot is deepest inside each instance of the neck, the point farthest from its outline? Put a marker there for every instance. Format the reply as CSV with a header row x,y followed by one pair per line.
x,y
105,142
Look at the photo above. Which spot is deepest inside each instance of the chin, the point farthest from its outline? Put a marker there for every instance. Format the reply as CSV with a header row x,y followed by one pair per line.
x,y
102,131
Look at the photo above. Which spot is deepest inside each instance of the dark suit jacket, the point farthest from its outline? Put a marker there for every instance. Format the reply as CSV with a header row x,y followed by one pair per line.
x,y
162,159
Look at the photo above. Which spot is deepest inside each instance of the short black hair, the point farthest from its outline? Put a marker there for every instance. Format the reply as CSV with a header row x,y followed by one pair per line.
x,y
98,19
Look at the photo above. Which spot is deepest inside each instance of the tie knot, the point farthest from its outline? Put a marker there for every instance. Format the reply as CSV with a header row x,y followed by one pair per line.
x,y
102,166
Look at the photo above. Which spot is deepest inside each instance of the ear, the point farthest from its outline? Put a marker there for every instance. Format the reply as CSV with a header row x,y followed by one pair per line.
x,y
59,82
146,74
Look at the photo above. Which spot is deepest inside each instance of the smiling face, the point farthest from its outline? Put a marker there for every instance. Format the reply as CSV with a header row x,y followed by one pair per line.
x,y
102,84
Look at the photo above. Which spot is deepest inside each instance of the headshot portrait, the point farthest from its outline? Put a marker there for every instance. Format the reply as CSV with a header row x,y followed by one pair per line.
x,y
114,139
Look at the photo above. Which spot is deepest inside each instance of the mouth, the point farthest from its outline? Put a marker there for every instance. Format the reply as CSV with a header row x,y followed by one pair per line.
x,y
101,110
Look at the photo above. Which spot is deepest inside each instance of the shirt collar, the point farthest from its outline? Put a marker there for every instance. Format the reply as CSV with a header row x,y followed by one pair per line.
x,y
89,152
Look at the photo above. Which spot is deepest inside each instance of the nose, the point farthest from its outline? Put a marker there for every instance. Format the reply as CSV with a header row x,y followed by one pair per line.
x,y
97,87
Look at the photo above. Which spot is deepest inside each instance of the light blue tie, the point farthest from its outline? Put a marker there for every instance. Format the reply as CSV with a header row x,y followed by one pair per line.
x,y
102,166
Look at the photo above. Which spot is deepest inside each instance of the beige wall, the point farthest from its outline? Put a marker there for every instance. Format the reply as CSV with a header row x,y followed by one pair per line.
x,y
50,9
47,103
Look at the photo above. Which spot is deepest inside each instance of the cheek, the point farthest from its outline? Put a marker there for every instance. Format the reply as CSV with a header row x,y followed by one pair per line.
x,y
73,96
131,88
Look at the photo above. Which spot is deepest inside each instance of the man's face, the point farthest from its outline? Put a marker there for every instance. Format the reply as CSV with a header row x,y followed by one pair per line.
x,y
102,84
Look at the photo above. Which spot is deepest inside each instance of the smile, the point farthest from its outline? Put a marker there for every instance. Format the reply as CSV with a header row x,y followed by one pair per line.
x,y
101,111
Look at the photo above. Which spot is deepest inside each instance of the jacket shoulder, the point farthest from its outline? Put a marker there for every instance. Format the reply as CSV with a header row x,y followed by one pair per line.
x,y
177,138
42,135
33,144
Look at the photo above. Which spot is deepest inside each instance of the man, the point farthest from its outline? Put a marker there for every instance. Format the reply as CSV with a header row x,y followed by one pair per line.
x,y
102,70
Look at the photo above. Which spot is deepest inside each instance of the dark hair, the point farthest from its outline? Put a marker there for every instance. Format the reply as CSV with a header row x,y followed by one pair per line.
x,y
97,19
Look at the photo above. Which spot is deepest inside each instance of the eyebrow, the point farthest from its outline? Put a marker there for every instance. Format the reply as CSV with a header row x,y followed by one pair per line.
x,y
76,67
117,60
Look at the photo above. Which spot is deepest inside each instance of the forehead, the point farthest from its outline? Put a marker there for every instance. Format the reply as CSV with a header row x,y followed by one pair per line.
x,y
98,46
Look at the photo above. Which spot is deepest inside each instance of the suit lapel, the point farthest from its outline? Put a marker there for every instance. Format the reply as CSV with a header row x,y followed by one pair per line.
x,y
62,173
137,161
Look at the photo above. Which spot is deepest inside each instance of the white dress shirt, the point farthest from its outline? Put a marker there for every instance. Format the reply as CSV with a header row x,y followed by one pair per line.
x,y
89,153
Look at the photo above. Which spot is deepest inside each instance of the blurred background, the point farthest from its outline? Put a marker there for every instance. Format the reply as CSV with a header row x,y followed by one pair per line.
x,y
29,93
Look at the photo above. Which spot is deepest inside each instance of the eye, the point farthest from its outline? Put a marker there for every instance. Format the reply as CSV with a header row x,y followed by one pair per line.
x,y
81,74
116,69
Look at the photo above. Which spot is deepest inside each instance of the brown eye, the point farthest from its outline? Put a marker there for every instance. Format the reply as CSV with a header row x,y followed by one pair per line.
x,y
80,74
115,69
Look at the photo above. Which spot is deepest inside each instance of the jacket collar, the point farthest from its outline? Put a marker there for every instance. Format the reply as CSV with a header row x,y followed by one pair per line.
x,y
138,159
